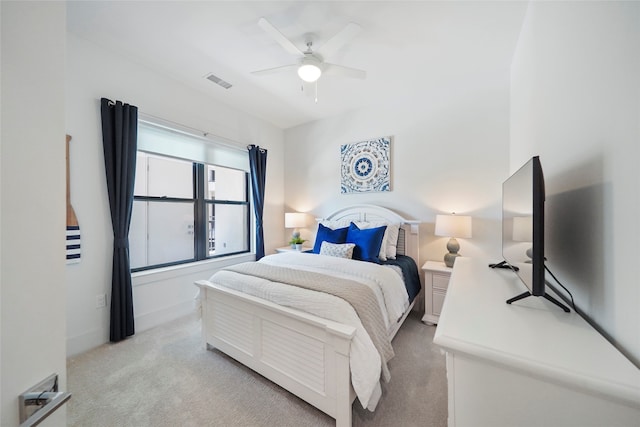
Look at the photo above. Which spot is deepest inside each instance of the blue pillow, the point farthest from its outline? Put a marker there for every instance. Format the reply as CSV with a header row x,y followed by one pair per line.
x,y
326,234
368,242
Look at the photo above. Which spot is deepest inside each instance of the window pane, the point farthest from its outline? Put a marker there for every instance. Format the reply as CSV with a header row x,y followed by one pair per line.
x,y
138,235
140,187
225,184
170,177
170,232
227,230
169,227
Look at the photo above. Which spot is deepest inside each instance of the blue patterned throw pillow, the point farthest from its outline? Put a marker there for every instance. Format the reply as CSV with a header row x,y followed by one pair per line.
x,y
340,250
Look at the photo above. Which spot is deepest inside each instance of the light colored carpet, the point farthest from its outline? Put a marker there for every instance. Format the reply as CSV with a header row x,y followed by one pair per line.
x,y
164,377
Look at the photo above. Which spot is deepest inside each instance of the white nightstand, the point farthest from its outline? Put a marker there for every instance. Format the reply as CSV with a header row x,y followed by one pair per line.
x,y
290,249
436,282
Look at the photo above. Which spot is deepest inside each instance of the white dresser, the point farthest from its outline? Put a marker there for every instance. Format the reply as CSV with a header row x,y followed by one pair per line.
x,y
528,363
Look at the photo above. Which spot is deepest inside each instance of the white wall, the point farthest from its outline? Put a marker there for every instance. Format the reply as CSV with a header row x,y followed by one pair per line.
x,y
447,155
576,103
32,196
92,73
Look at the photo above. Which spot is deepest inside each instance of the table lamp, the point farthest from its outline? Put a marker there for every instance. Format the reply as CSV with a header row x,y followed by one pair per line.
x,y
295,220
453,226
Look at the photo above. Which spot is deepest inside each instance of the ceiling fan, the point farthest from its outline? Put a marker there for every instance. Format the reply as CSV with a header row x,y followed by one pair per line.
x,y
311,64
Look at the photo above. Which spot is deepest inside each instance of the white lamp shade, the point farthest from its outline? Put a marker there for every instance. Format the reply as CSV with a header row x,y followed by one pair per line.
x,y
453,226
309,73
295,220
522,228
309,70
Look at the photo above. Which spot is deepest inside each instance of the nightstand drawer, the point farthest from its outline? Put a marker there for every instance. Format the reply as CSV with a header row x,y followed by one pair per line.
x,y
437,302
440,281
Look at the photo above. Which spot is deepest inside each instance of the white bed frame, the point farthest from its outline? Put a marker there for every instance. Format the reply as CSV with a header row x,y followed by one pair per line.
x,y
305,354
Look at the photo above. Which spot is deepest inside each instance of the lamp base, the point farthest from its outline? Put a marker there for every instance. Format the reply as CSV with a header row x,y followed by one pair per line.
x,y
449,259
453,247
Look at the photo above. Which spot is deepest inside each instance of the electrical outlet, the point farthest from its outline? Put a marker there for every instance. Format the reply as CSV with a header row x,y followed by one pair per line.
x,y
101,300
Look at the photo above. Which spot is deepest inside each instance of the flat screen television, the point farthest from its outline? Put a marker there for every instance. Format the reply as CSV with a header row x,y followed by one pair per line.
x,y
523,197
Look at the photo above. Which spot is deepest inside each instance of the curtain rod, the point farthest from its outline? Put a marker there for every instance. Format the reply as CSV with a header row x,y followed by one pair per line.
x,y
187,130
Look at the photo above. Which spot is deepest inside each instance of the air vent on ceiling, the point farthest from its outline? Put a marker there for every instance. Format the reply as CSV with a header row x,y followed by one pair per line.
x,y
217,80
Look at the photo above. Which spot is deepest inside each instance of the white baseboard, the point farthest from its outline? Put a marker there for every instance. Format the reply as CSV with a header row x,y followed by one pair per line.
x,y
87,341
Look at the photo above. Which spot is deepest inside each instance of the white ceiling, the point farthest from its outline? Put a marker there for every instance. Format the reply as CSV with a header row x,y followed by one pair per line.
x,y
410,50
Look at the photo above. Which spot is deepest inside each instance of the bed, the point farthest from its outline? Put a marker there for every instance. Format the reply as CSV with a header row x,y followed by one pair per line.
x,y
316,355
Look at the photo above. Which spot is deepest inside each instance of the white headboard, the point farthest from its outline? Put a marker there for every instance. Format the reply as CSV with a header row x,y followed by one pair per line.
x,y
408,241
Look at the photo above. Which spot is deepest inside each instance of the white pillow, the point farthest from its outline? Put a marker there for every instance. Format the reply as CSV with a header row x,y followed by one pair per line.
x,y
334,225
392,233
340,250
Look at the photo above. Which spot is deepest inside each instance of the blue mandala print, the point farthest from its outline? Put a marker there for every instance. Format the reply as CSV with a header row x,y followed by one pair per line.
x,y
365,166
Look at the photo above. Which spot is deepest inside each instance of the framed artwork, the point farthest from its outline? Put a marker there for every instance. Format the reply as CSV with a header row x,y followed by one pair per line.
x,y
366,166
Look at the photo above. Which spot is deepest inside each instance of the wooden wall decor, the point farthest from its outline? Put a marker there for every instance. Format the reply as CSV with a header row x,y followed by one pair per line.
x,y
73,228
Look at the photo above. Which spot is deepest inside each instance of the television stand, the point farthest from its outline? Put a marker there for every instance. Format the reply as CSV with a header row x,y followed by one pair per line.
x,y
546,295
528,368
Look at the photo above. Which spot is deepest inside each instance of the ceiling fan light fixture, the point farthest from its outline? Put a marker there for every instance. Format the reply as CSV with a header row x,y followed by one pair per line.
x,y
309,70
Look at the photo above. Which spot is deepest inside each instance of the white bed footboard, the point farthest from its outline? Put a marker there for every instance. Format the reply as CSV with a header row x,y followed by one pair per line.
x,y
305,354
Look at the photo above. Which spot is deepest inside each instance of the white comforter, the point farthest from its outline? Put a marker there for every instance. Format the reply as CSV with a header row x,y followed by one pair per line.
x,y
386,283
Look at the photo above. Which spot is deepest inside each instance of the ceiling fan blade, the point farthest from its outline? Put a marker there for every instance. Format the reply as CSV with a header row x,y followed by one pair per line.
x,y
340,39
339,70
274,70
279,37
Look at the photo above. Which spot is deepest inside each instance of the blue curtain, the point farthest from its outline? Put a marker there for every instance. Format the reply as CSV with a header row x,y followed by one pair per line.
x,y
119,140
258,168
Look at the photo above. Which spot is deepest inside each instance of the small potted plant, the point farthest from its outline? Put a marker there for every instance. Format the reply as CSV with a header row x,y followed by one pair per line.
x,y
296,243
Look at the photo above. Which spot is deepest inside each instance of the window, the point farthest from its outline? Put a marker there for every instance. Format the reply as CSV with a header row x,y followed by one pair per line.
x,y
185,210
227,210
